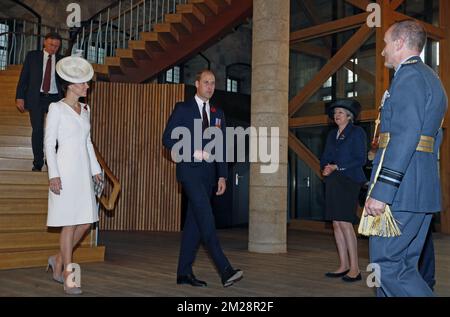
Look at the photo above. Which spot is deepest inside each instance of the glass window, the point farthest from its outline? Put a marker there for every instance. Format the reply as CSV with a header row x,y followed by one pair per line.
x,y
351,77
328,83
232,85
96,56
173,75
3,46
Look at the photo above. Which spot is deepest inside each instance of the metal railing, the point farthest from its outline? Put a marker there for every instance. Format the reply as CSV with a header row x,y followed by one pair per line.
x,y
117,24
19,36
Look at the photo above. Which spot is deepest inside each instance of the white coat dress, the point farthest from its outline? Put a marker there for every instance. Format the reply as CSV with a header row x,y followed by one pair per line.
x,y
74,162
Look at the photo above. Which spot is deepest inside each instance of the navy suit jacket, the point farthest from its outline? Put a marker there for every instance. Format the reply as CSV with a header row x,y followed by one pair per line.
x,y
30,81
348,152
184,115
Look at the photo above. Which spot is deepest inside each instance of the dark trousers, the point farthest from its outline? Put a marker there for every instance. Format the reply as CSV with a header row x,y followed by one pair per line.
x,y
37,118
427,261
199,227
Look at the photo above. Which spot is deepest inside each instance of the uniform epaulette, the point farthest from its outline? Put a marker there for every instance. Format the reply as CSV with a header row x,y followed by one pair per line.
x,y
411,62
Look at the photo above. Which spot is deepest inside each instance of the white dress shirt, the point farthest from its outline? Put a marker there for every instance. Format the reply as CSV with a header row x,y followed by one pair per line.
x,y
53,88
200,107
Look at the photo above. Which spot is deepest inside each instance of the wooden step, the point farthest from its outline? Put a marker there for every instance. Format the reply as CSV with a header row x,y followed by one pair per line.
x,y
150,43
129,57
23,178
17,241
101,69
190,9
15,130
9,109
39,258
11,79
8,86
10,72
18,206
216,6
9,164
23,141
23,191
180,19
139,50
16,152
169,30
114,64
19,119
10,223
203,6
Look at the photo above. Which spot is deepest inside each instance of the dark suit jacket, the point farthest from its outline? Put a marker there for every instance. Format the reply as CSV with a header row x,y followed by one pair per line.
x,y
348,152
30,81
184,115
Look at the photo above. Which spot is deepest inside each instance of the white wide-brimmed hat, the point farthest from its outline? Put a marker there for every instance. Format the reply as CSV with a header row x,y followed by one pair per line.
x,y
74,69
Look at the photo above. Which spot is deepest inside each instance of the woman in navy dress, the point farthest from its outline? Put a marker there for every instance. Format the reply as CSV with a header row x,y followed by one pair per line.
x,y
342,167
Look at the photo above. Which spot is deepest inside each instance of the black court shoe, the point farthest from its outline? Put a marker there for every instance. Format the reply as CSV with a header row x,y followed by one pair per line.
x,y
340,274
347,278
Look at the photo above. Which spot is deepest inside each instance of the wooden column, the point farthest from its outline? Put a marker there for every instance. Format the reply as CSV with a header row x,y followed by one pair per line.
x,y
444,70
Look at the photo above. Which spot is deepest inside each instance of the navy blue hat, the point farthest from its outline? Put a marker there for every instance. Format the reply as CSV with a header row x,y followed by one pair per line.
x,y
350,104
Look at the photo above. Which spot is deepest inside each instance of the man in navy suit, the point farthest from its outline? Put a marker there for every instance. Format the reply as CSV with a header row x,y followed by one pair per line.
x,y
408,179
38,86
199,175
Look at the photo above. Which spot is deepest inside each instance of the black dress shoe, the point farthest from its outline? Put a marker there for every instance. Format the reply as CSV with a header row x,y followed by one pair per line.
x,y
347,278
36,169
230,276
190,279
340,274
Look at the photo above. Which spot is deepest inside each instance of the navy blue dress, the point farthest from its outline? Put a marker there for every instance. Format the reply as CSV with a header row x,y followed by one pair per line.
x,y
349,152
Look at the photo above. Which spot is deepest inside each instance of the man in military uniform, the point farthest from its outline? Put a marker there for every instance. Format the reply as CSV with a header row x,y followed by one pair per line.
x,y
408,180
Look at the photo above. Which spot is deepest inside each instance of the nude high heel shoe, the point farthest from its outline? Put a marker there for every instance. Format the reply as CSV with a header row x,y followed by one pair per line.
x,y
51,264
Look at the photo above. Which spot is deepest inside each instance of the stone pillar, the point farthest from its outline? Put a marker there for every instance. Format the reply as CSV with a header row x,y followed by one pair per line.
x,y
269,108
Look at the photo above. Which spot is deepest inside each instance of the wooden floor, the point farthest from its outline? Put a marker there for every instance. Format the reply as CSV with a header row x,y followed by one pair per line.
x,y
144,264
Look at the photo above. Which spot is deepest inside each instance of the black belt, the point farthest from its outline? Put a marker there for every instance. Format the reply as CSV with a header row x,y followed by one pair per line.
x,y
44,94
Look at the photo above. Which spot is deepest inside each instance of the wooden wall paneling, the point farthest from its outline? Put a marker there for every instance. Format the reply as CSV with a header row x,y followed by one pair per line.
x,y
128,121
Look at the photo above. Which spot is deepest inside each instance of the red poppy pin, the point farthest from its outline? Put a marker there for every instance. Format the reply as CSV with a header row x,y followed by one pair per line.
x,y
213,109
85,107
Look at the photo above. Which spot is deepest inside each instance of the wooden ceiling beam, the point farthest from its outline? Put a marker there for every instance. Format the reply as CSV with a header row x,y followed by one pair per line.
x,y
328,28
336,62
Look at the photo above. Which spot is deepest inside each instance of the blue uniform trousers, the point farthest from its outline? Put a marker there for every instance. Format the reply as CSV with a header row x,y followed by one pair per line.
x,y
398,257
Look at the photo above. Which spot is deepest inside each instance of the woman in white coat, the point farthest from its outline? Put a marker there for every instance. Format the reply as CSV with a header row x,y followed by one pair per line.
x,y
72,167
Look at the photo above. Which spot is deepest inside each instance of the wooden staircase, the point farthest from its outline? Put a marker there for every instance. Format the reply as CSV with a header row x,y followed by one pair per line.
x,y
25,240
193,27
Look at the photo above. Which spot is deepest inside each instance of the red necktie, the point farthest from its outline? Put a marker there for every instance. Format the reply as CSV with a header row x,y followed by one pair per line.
x,y
47,75
205,124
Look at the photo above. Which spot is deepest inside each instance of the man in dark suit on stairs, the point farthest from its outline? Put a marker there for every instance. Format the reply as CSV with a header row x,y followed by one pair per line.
x,y
38,86
199,173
